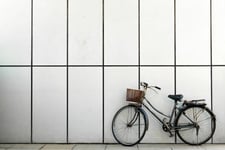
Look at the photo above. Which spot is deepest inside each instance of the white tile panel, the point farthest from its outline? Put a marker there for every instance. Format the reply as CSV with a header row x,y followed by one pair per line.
x,y
218,103
117,80
157,32
85,105
15,29
218,31
15,107
194,83
85,32
49,37
121,32
49,105
193,32
164,78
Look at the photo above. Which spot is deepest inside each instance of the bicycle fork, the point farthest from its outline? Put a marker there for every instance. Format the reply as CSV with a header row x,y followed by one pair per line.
x,y
135,117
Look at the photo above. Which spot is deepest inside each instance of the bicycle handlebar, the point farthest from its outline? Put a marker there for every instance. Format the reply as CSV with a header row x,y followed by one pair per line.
x,y
145,85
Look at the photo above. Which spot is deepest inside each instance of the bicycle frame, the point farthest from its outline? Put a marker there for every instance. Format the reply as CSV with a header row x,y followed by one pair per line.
x,y
170,117
156,116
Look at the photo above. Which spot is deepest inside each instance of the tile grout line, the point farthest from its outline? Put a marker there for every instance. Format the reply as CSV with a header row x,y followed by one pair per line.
x,y
103,71
139,43
175,61
75,145
139,52
42,146
105,146
211,59
70,66
67,71
31,67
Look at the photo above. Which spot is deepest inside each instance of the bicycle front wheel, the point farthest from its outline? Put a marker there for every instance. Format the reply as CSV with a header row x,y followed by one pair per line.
x,y
129,125
196,125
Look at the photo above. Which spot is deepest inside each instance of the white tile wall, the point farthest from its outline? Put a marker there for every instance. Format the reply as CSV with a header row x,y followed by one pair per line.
x,y
218,31
15,105
49,32
49,105
86,27
157,32
15,32
85,105
121,30
218,103
164,78
117,80
85,32
193,32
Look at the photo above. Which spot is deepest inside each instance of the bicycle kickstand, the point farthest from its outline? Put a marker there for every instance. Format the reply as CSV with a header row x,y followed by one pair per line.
x,y
171,134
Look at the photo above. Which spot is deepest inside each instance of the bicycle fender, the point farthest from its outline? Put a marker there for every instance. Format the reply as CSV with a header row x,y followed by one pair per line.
x,y
146,117
145,114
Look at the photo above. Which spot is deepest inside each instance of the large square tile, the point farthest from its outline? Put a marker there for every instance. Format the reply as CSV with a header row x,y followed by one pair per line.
x,y
49,100
85,32
26,146
157,34
58,147
120,147
193,32
120,30
5,146
154,146
15,32
186,147
214,147
49,32
85,97
90,147
15,105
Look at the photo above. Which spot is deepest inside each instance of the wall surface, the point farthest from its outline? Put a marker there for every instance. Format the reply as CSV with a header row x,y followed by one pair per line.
x,y
65,65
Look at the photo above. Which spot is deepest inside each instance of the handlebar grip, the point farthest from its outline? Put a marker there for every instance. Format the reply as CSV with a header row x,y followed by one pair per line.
x,y
157,87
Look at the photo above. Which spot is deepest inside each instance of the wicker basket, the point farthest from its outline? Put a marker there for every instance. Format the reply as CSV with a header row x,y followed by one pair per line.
x,y
135,95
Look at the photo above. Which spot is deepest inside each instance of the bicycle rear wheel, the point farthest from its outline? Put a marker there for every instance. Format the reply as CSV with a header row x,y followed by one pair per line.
x,y
196,125
129,125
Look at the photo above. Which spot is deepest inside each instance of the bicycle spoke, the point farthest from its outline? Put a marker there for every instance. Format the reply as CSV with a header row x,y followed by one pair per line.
x,y
204,119
188,118
198,114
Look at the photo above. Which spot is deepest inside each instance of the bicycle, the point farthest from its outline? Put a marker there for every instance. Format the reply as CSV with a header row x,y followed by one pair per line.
x,y
192,121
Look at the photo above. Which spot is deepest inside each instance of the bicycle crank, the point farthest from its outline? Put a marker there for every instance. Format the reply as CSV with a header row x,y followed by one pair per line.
x,y
166,128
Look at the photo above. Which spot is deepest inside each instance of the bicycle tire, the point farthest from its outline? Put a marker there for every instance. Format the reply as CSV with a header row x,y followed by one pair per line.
x,y
191,135
129,125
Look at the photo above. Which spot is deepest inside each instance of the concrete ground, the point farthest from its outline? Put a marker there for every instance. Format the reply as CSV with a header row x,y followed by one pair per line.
x,y
109,147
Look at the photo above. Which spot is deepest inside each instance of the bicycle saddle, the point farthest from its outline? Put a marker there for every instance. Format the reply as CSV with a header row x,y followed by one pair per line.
x,y
176,97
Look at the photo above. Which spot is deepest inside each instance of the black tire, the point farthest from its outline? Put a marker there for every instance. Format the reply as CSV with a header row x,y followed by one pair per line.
x,y
129,125
202,129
